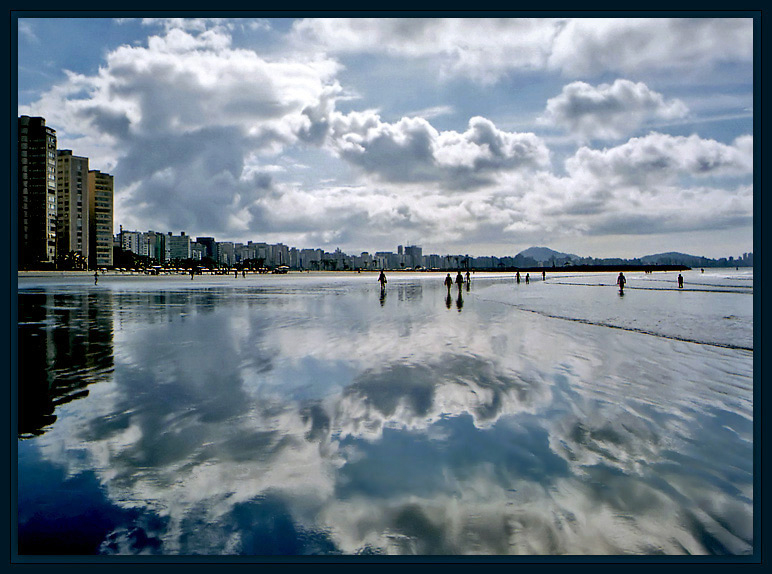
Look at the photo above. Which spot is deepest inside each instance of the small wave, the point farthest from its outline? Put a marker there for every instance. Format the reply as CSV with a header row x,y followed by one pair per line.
x,y
742,290
623,328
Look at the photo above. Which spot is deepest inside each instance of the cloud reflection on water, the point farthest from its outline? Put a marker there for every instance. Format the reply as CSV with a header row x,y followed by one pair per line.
x,y
302,422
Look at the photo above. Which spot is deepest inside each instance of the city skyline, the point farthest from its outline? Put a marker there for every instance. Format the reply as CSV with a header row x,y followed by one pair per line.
x,y
473,136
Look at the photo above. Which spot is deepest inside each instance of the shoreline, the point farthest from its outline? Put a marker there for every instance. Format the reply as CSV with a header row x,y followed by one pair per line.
x,y
549,270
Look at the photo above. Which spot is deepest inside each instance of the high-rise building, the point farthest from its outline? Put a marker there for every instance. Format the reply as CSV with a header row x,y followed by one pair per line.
x,y
72,198
413,255
211,246
100,217
36,192
226,254
129,240
153,245
177,246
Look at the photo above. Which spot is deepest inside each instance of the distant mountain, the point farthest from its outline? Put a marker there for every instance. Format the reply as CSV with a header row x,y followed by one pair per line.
x,y
675,258
546,255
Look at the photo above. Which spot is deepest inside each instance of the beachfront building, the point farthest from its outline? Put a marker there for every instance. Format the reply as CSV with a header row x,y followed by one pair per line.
x,y
177,247
310,258
129,240
72,205
197,251
226,254
362,261
211,246
413,257
280,255
100,217
36,192
246,252
153,244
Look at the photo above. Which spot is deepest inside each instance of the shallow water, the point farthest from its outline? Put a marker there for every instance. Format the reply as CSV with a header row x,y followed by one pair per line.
x,y
309,414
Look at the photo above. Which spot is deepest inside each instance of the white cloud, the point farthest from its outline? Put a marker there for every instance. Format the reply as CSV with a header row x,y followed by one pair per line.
x,y
412,150
485,48
660,158
189,104
206,137
628,45
608,111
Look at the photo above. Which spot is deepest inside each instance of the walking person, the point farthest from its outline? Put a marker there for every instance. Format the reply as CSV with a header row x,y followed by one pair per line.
x,y
517,277
448,283
621,282
527,278
96,277
680,281
543,275
382,280
459,280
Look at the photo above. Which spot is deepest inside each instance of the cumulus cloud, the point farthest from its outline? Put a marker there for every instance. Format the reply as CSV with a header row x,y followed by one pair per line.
x,y
486,49
201,136
608,111
412,150
661,158
594,45
177,121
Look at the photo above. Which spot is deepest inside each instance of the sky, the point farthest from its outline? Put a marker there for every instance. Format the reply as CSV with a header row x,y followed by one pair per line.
x,y
611,137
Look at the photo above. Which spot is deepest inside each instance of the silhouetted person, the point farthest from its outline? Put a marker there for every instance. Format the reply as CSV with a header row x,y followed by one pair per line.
x,y
517,277
243,272
621,282
527,278
448,300
543,275
382,280
680,281
468,278
702,271
235,273
96,277
191,274
459,281
448,283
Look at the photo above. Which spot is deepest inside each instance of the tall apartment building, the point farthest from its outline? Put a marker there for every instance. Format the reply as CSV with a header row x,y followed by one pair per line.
x,y
211,246
153,245
177,246
72,199
413,256
129,240
100,217
226,254
36,192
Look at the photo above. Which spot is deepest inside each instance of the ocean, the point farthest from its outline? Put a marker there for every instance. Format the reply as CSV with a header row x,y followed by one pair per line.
x,y
313,414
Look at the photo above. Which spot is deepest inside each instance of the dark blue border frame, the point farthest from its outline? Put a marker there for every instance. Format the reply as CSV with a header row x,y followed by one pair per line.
x,y
759,506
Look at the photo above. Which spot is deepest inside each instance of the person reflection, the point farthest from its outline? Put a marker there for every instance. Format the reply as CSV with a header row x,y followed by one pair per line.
x,y
448,300
383,296
459,301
